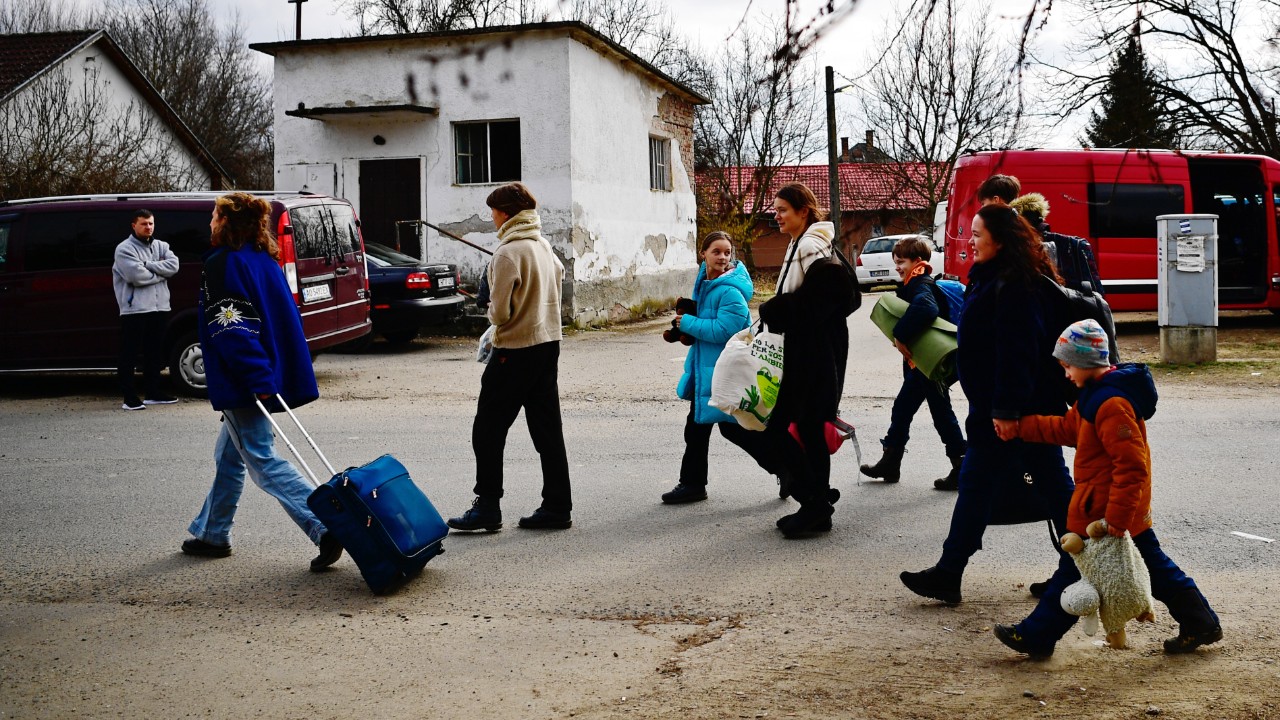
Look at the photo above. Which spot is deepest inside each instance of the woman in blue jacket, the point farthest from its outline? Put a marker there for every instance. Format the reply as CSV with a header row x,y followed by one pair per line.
x,y
254,348
1007,370
721,292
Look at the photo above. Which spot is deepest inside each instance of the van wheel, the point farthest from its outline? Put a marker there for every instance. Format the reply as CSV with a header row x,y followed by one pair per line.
x,y
186,365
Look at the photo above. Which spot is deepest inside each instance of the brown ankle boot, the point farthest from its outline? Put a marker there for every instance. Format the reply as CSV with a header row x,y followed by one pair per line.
x,y
889,468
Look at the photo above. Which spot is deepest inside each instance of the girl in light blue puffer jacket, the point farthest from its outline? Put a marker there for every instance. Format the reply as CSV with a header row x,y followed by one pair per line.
x,y
721,292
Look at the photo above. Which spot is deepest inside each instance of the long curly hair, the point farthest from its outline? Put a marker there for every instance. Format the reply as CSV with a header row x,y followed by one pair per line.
x,y
1022,254
246,221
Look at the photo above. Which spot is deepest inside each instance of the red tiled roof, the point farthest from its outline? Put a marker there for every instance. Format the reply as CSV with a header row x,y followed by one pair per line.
x,y
863,186
23,57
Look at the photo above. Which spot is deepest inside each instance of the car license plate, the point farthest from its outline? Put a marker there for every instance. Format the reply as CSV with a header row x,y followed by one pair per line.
x,y
312,293
879,273
444,282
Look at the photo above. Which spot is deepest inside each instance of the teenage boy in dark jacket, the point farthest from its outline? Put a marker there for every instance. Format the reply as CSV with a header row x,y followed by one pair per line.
x,y
911,259
254,348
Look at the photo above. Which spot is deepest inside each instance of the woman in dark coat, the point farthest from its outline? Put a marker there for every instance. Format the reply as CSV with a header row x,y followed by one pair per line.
x,y
1007,370
815,296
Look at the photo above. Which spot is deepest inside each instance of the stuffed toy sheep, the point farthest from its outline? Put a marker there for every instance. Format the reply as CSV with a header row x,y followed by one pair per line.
x,y
1112,570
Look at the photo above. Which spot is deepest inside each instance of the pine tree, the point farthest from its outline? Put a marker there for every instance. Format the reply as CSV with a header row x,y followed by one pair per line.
x,y
1132,115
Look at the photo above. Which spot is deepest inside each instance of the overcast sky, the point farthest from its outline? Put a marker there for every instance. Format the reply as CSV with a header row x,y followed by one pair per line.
x,y
706,22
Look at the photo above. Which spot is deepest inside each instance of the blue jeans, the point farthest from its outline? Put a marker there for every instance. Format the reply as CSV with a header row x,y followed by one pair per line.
x,y
916,390
992,491
246,442
1046,625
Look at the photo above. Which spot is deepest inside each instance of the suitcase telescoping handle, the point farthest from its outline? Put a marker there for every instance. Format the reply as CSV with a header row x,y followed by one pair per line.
x,y
294,450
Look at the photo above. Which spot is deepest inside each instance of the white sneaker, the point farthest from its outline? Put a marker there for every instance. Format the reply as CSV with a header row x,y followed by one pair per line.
x,y
133,404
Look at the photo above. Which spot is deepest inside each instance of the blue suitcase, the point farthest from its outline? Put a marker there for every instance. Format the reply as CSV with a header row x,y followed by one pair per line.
x,y
384,522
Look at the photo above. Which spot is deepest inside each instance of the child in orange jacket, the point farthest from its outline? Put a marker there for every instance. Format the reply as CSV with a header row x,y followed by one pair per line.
x,y
1107,426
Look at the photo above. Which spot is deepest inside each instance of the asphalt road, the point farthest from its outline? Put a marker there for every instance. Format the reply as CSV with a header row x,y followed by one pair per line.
x,y
102,616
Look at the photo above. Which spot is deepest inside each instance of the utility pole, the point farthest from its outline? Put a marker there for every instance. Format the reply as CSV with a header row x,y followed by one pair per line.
x,y
298,27
833,162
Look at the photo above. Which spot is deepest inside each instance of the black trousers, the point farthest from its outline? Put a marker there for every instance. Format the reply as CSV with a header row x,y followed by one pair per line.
x,y
810,463
515,379
141,332
697,441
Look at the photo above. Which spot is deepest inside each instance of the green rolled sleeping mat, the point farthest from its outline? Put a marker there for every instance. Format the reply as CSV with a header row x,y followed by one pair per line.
x,y
933,352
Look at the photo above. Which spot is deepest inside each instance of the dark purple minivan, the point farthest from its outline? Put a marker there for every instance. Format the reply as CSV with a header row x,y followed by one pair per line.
x,y
58,310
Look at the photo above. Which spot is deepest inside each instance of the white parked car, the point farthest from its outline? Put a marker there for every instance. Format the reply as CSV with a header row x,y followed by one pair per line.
x,y
875,263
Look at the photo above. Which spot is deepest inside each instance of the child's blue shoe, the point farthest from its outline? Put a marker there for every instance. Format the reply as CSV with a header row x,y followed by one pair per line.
x,y
1012,636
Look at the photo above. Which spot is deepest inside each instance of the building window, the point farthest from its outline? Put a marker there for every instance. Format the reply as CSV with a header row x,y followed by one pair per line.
x,y
487,152
659,163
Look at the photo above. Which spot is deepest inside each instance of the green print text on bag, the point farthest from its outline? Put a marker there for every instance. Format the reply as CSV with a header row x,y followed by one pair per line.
x,y
747,376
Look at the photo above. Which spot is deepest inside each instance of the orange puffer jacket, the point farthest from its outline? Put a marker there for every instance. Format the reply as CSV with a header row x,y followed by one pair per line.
x,y
1107,426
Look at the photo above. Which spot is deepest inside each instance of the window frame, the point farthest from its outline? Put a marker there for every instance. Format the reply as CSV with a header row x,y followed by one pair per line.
x,y
488,167
659,163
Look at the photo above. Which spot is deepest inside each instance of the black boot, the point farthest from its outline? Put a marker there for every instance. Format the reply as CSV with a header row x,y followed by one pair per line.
x,y
484,514
1197,624
330,551
812,517
952,480
934,583
889,468
683,493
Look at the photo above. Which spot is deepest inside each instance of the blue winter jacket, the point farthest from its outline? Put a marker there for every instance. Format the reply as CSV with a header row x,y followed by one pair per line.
x,y
722,313
251,333
1005,355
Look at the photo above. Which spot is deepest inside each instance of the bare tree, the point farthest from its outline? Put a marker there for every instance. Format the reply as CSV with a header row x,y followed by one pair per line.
x,y
206,73
1219,86
943,86
375,17
62,137
29,16
765,114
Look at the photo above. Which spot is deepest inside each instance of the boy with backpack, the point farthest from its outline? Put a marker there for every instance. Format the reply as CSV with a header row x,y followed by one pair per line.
x,y
1107,426
927,302
1070,254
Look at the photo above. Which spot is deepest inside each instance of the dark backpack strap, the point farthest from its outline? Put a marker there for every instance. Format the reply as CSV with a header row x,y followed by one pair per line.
x,y
786,266
940,297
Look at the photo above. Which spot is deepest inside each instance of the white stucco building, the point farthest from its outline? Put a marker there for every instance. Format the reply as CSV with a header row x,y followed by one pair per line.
x,y
425,126
48,81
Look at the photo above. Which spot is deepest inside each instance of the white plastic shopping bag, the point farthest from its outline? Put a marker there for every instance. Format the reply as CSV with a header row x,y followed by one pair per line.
x,y
484,350
747,376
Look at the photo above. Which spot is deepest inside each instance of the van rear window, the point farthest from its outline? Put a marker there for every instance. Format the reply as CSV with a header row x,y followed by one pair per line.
x,y
312,232
344,224
1120,210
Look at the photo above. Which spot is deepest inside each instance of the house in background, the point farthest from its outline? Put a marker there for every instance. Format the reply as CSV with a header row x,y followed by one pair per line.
x,y
875,199
50,70
425,126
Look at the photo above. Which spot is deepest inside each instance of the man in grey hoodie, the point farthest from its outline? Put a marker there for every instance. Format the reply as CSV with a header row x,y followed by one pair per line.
x,y
140,274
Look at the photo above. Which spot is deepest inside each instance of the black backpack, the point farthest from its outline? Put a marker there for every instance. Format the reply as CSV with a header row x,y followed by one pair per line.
x,y
855,295
1069,305
1076,263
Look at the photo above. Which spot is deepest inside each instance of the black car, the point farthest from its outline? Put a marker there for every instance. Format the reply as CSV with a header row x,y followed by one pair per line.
x,y
407,295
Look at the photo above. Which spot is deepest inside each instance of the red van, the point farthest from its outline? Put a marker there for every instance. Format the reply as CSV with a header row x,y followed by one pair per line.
x,y
1112,197
58,310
